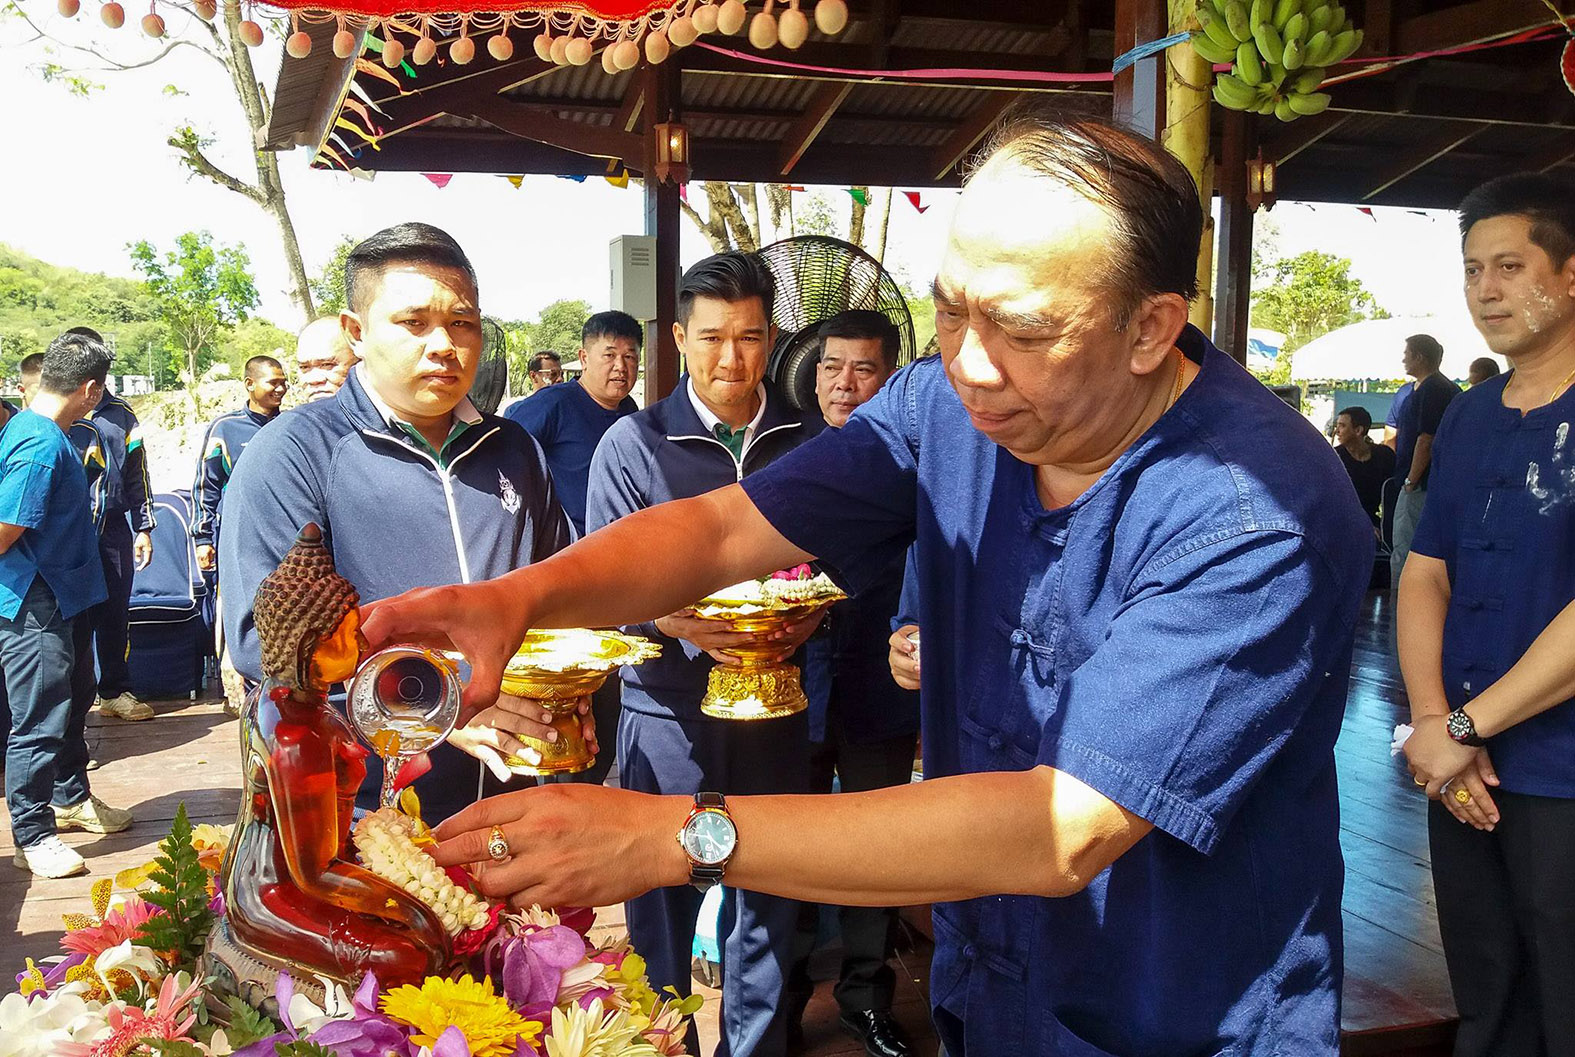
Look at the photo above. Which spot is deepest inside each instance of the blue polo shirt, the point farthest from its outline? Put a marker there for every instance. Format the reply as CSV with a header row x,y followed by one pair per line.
x,y
1178,638
568,423
44,490
1501,515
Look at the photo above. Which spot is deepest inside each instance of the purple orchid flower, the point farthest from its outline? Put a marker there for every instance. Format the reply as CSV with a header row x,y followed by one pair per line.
x,y
452,1043
55,971
533,964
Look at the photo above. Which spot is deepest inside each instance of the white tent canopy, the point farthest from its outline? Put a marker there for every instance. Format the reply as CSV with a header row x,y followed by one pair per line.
x,y
1371,349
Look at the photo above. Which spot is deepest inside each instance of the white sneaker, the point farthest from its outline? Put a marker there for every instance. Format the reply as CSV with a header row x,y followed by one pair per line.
x,y
93,815
49,858
126,707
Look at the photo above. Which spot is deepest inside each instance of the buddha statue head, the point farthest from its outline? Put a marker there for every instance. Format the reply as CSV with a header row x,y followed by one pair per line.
x,y
307,618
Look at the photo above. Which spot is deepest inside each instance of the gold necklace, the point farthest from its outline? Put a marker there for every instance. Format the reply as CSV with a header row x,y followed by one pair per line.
x,y
1181,374
1561,387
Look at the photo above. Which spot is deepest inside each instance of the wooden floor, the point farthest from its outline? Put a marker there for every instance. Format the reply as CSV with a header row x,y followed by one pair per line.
x,y
1397,1000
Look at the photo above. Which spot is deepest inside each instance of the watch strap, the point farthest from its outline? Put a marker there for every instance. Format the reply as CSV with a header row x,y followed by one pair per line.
x,y
705,876
1460,727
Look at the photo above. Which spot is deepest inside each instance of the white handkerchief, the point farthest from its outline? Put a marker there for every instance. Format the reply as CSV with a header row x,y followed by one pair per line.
x,y
1402,732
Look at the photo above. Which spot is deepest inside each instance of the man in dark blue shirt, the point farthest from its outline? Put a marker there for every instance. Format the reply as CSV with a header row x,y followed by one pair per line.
x,y
1139,575
410,484
1487,635
222,446
50,575
1419,420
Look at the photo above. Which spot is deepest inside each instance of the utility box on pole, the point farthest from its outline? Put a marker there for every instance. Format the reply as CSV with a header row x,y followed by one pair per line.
x,y
633,280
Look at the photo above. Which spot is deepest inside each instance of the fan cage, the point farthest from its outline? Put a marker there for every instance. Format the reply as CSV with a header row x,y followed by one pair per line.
x,y
492,373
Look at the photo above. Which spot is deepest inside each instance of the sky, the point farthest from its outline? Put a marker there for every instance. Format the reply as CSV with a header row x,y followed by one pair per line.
x,y
87,176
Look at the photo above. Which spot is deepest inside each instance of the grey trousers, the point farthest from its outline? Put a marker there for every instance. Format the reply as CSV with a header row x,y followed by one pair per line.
x,y
1408,515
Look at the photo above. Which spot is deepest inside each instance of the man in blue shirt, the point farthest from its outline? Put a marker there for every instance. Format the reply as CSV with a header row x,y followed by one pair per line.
x,y
50,574
568,421
222,446
1139,575
1487,635
410,484
1419,420
721,424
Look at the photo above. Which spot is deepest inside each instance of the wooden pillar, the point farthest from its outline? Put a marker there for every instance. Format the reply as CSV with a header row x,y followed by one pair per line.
x,y
1233,281
662,219
1140,88
1187,104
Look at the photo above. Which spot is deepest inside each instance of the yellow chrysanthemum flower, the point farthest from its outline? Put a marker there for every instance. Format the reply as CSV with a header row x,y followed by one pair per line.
x,y
490,1027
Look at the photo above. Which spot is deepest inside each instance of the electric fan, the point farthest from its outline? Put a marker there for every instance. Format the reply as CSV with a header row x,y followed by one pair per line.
x,y
816,278
492,374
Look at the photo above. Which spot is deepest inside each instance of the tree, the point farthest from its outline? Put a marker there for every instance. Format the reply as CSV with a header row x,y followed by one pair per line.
x,y
1308,295
328,289
201,291
556,329
220,40
732,218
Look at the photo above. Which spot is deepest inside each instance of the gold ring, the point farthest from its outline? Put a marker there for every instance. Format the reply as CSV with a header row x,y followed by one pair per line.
x,y
1421,782
498,845
1462,797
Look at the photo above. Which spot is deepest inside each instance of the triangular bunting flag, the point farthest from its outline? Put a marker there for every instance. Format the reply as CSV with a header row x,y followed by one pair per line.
x,y
579,179
515,180
796,187
376,70
913,200
859,195
683,192
621,180
1368,210
368,100
439,179
335,155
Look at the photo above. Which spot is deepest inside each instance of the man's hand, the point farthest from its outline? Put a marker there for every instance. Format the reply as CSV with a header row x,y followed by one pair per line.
x,y
904,657
142,550
709,635
1435,760
484,621
495,732
207,557
574,845
1478,809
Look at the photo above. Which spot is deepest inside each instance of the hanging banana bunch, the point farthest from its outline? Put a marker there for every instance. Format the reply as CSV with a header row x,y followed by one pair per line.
x,y
1279,52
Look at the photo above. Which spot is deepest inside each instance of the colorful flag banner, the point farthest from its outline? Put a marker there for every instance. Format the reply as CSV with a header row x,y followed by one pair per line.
x,y
913,200
515,180
796,187
859,195
621,180
683,192
1368,210
579,179
439,179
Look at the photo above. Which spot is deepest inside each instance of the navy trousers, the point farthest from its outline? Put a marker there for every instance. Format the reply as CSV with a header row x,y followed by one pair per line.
x,y
46,757
684,757
111,617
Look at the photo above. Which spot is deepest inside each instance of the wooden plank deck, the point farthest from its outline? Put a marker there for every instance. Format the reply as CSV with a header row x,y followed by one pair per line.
x,y
1397,999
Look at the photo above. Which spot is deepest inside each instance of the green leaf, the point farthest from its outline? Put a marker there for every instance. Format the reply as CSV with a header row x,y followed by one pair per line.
x,y
247,1025
181,891
173,1048
301,1048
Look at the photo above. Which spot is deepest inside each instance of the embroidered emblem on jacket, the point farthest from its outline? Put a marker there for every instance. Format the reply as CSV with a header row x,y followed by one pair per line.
x,y
511,498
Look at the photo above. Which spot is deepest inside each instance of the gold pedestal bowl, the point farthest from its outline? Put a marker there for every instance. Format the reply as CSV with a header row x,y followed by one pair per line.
x,y
761,687
557,668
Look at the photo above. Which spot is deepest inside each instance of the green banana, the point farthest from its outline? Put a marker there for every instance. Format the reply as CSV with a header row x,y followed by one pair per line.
x,y
1232,92
1309,104
1274,73
1248,66
1258,13
1316,53
1214,25
1295,29
1218,6
1236,21
1284,11
1321,18
1283,111
1265,107
1293,57
1211,52
1337,20
1269,44
1308,79
1345,45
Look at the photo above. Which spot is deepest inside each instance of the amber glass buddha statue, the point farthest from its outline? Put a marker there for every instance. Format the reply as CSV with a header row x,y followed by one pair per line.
x,y
294,899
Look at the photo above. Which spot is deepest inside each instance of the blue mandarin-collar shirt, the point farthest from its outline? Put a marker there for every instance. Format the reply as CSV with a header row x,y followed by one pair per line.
x,y
44,490
568,423
1179,639
1501,515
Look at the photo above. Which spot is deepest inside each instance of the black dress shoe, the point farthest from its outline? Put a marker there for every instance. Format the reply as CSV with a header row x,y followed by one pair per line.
x,y
796,1002
878,1031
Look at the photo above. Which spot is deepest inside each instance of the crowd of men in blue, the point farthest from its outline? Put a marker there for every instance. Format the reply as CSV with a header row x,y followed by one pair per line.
x,y
1137,572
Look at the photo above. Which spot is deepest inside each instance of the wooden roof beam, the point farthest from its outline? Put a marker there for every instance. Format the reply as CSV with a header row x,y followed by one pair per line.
x,y
1422,155
627,119
1301,135
1468,24
1552,158
457,95
527,122
968,134
824,103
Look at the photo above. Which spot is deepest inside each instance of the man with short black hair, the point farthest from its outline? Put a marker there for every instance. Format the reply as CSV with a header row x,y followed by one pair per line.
x,y
1369,465
323,357
1420,417
1482,368
222,446
544,369
50,575
29,370
410,484
721,424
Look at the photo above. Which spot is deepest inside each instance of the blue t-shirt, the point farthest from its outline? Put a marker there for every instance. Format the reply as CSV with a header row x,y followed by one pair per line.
x,y
1397,405
44,489
1421,415
1178,638
1501,515
568,423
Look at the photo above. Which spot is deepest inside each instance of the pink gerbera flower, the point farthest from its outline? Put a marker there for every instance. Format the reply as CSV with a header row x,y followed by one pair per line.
x,y
119,925
128,1025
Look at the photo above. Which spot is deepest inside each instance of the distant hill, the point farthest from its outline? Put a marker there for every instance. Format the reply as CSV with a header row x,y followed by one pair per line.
x,y
38,300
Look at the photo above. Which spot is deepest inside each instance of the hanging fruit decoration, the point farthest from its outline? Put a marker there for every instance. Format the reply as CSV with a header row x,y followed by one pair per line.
x,y
564,32
1567,64
1279,52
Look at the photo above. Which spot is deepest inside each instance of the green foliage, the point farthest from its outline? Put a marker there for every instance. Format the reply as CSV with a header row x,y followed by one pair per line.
x,y
246,1024
256,337
1307,296
813,215
301,1048
328,288
556,329
173,1048
202,291
922,307
181,891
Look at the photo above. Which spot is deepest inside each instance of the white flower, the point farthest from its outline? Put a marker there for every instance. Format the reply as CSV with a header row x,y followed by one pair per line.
x,y
307,1016
580,1031
38,1027
386,841
141,962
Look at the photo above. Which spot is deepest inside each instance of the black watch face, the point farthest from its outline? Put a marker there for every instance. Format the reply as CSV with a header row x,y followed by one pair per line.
x,y
710,837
